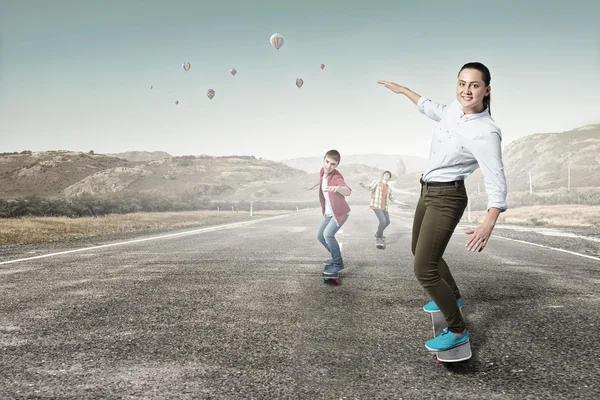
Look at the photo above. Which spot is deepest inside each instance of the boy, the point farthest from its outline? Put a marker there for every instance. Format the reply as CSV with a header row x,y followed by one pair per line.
x,y
381,192
335,209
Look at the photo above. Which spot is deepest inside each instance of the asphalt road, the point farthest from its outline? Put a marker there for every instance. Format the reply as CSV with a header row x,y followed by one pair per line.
x,y
240,312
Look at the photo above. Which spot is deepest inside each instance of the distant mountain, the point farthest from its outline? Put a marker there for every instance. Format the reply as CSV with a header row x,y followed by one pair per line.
x,y
48,173
389,162
548,157
142,155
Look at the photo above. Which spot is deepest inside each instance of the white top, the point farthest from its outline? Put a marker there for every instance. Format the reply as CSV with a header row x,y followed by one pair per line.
x,y
462,143
325,188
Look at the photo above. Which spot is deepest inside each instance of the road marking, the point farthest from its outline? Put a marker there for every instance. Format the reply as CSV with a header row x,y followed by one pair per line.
x,y
548,247
186,233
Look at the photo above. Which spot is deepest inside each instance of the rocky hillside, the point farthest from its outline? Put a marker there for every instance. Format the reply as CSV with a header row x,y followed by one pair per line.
x,y
548,157
235,178
136,156
48,173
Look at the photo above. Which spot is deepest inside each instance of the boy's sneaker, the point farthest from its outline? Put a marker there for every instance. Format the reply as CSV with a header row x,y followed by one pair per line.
x,y
432,307
446,341
328,263
334,269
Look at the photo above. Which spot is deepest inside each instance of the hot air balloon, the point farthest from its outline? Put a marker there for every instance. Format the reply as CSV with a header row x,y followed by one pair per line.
x,y
210,93
176,102
299,82
276,41
322,66
233,71
150,87
186,66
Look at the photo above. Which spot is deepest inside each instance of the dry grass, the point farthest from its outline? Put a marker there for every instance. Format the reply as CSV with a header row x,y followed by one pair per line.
x,y
49,229
557,215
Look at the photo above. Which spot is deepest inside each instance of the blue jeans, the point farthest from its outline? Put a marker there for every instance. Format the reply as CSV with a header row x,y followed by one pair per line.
x,y
326,235
384,221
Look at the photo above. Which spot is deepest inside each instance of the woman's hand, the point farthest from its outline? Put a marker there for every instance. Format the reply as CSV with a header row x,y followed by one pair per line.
x,y
394,87
479,239
482,234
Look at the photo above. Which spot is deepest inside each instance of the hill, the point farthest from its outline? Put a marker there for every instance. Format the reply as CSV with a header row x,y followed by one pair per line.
x,y
549,157
68,174
142,155
48,173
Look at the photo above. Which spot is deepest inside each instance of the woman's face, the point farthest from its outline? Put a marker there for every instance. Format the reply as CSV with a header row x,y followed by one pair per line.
x,y
470,91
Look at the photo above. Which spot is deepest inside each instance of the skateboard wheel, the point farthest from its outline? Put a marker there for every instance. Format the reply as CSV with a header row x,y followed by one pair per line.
x,y
337,281
322,280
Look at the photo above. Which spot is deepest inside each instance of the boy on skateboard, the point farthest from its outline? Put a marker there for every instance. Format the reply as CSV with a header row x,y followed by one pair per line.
x,y
381,192
332,195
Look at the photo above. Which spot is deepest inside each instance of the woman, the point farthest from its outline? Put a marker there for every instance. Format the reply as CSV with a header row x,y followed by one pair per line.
x,y
466,138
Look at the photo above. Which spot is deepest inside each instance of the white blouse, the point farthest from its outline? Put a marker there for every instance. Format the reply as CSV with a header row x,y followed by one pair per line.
x,y
462,143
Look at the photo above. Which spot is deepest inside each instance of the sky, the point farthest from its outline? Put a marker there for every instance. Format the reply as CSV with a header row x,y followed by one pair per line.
x,y
76,75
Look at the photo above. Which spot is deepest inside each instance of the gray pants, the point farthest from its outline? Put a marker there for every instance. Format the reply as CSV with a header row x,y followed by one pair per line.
x,y
439,210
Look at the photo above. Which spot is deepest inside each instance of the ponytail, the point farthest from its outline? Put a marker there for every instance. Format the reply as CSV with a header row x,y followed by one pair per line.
x,y
487,102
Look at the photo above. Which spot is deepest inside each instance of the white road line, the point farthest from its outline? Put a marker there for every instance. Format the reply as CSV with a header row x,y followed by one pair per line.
x,y
186,233
548,247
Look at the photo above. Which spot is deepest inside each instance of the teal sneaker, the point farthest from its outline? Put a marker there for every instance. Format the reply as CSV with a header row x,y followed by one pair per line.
x,y
432,307
446,341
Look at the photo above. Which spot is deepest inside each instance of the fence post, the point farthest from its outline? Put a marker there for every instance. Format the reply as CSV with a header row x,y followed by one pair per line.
x,y
251,208
469,210
530,185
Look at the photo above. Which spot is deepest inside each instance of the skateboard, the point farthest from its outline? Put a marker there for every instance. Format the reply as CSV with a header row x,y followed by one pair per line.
x,y
456,354
335,278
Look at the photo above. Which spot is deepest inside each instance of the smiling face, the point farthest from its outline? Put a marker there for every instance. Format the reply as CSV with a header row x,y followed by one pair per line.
x,y
329,164
470,91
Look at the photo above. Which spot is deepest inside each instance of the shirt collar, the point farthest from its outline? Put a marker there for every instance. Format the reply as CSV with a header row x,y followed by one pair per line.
x,y
469,117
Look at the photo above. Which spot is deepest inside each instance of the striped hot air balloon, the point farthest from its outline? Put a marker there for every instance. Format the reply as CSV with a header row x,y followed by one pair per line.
x,y
299,82
233,71
186,66
276,41
210,93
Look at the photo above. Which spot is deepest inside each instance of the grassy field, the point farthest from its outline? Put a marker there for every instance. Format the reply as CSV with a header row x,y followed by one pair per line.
x,y
49,229
558,215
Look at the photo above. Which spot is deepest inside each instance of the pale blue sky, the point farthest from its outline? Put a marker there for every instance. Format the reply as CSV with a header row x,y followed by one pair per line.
x,y
75,75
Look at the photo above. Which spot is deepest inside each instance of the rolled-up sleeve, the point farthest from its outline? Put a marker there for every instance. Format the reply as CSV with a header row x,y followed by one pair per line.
x,y
430,108
487,150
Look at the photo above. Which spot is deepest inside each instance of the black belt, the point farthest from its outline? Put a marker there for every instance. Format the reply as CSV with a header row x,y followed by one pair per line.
x,y
453,183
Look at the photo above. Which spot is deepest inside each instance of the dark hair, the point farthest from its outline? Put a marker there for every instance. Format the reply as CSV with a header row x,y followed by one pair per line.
x,y
487,78
333,154
387,172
